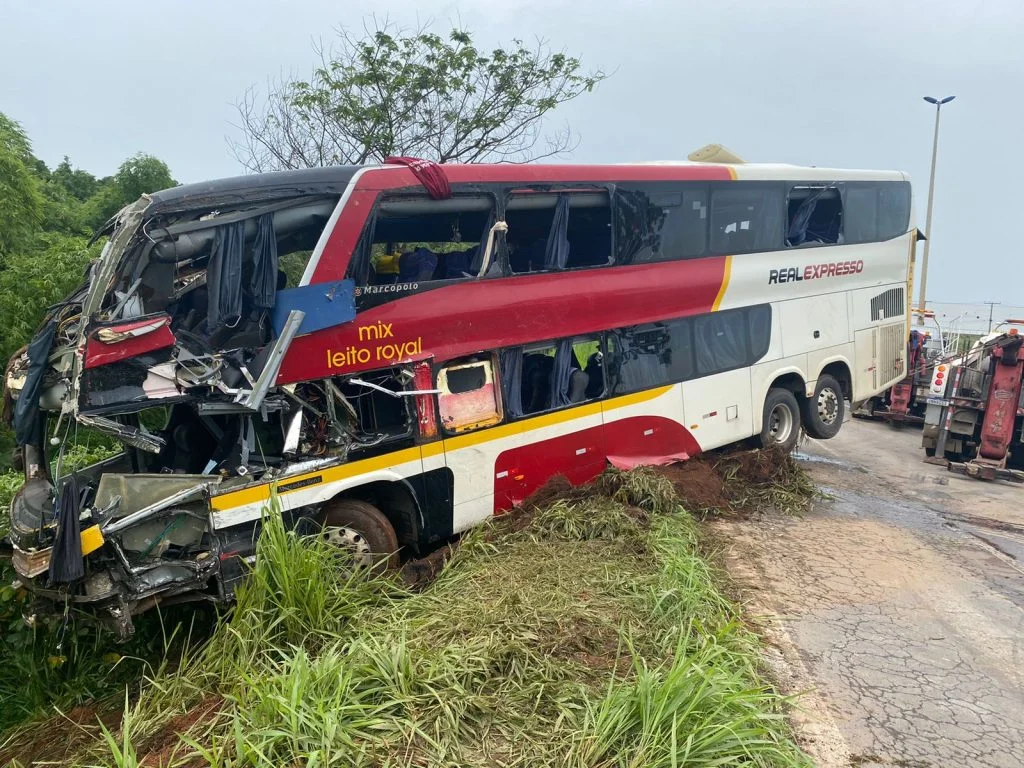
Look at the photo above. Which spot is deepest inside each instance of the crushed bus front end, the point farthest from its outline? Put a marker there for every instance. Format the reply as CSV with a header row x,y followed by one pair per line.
x,y
171,349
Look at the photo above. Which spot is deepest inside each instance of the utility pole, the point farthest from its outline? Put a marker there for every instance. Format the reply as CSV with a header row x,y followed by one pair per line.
x,y
931,197
991,305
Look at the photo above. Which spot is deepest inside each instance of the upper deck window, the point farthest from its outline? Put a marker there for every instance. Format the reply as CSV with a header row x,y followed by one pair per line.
x,y
661,223
417,240
558,231
876,211
746,217
815,215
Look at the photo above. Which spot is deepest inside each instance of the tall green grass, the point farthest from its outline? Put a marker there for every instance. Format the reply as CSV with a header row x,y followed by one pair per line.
x,y
594,636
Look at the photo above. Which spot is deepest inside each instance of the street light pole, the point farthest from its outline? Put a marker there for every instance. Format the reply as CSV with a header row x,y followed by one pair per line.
x,y
931,197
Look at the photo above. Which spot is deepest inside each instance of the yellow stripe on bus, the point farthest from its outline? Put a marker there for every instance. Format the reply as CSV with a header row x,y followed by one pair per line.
x,y
727,273
260,493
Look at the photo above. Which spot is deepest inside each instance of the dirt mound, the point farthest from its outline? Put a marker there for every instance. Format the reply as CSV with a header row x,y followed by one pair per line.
x,y
698,485
754,467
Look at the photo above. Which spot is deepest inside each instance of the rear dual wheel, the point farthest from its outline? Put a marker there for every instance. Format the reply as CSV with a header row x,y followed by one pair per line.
x,y
780,423
823,412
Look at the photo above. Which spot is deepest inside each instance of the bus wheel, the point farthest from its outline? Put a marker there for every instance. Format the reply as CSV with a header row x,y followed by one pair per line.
x,y
823,413
780,426
363,530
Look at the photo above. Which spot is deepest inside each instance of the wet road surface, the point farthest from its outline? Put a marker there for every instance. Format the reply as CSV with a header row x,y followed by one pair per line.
x,y
897,608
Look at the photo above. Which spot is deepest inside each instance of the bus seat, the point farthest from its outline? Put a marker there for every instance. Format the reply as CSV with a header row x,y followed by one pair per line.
x,y
416,266
578,386
458,263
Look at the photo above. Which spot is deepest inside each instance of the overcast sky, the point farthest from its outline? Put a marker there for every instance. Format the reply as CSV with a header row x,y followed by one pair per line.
x,y
799,81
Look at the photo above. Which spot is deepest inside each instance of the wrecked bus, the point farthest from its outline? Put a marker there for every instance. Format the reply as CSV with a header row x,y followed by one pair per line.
x,y
398,352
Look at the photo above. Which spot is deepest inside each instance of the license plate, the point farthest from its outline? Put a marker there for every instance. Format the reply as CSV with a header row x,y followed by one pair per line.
x,y
937,401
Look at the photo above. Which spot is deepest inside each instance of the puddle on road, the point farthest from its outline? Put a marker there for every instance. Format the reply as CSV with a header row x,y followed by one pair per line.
x,y
811,458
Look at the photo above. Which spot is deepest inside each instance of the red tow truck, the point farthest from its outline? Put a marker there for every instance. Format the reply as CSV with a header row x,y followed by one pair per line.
x,y
904,403
974,418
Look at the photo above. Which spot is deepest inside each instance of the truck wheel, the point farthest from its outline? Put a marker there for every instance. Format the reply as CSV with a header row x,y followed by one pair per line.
x,y
363,530
823,413
780,425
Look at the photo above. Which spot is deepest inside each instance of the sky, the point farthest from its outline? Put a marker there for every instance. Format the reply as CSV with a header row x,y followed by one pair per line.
x,y
813,83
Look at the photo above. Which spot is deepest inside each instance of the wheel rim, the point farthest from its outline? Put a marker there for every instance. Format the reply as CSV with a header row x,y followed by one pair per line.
x,y
828,406
780,423
352,541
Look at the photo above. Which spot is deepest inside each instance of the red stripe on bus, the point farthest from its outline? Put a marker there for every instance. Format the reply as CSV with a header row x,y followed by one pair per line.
x,y
478,315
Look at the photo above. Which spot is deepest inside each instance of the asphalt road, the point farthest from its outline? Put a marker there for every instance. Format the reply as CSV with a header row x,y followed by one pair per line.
x,y
896,609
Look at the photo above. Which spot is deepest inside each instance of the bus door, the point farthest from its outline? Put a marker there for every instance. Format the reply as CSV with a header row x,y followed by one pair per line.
x,y
469,402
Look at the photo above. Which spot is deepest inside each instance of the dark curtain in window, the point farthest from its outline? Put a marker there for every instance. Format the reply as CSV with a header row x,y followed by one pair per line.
x,y
556,252
66,563
224,276
512,380
26,408
561,373
264,263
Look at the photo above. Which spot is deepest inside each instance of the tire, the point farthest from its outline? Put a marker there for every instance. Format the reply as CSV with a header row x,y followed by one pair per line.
x,y
823,413
362,529
780,424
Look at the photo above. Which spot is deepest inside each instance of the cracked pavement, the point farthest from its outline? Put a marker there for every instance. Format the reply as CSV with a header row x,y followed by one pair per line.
x,y
896,609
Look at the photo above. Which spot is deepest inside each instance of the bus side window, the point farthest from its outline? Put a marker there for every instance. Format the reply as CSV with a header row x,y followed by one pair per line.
x,y
861,221
468,397
415,240
565,230
814,215
746,218
661,223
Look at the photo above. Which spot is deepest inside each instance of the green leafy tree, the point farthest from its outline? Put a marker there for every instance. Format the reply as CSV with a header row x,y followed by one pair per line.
x,y
79,184
33,281
395,92
138,175
21,200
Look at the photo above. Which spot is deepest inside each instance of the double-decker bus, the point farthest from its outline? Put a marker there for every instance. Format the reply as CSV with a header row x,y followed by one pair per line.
x,y
396,353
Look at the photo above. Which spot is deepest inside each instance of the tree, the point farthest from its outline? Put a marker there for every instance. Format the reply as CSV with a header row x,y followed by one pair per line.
x,y
394,92
78,183
137,176
21,202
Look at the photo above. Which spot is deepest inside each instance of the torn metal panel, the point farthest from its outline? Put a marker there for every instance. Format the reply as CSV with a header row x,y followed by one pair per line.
x,y
182,496
269,374
128,435
112,343
323,305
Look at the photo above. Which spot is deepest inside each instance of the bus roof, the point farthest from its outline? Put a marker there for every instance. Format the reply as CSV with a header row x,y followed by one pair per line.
x,y
334,179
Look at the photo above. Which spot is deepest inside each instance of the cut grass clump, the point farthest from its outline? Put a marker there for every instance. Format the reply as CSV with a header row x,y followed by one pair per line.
x,y
767,478
591,633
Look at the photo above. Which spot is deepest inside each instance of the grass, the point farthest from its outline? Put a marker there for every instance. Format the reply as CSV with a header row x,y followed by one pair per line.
x,y
767,479
592,633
